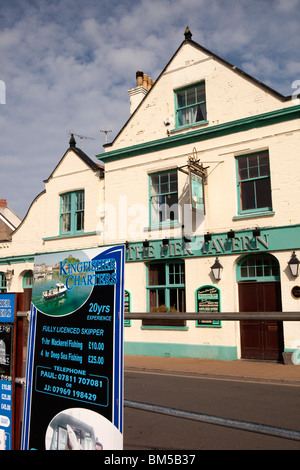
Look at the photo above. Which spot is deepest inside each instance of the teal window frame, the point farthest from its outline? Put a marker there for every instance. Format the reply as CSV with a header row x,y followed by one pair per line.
x,y
170,277
27,281
260,267
163,196
253,183
72,213
190,105
3,283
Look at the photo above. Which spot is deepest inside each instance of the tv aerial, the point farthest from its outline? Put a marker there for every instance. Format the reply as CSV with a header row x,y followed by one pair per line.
x,y
105,132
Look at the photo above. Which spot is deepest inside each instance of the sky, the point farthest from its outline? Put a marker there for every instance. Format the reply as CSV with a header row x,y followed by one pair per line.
x,y
67,65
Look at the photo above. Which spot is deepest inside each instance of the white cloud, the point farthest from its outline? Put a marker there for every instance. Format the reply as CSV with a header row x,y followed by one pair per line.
x,y
67,65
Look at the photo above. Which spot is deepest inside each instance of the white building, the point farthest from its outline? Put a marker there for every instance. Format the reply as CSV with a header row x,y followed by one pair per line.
x,y
238,140
206,169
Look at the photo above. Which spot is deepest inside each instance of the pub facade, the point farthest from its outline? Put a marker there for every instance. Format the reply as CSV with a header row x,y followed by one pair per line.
x,y
201,185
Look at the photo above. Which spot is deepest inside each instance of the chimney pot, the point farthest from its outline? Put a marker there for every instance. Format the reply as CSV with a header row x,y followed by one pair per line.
x,y
145,80
3,203
139,78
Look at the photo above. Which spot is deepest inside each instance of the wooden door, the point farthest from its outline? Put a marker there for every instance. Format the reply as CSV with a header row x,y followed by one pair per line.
x,y
261,339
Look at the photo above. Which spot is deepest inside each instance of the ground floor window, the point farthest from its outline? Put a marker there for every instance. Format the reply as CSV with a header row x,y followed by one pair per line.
x,y
263,267
166,291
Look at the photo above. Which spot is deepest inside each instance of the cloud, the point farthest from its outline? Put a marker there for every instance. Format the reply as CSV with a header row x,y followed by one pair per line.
x,y
67,65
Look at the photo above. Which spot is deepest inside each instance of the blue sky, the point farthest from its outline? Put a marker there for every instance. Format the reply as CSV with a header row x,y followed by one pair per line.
x,y
67,66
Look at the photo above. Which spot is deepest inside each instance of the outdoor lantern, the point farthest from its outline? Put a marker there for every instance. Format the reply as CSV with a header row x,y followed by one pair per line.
x,y
230,234
217,269
294,264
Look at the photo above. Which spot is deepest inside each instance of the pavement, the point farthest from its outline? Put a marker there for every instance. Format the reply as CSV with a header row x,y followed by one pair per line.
x,y
263,371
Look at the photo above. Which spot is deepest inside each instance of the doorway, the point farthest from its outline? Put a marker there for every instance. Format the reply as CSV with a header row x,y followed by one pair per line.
x,y
261,340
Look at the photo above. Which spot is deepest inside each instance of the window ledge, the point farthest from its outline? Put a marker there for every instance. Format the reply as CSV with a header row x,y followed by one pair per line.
x,y
188,126
251,215
69,235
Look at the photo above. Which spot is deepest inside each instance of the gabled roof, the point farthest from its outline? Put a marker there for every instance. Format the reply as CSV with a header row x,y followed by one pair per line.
x,y
188,39
90,163
87,160
9,221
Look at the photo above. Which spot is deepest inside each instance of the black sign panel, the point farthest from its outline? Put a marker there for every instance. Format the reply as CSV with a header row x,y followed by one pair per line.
x,y
75,363
208,300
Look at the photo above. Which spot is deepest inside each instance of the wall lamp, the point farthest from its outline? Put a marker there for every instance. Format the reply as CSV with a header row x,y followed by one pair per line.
x,y
294,264
165,241
146,244
217,269
256,232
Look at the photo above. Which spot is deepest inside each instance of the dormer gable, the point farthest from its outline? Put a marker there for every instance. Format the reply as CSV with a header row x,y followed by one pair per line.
x,y
75,160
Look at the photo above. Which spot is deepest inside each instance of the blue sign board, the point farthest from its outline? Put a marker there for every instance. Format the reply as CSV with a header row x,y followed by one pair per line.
x,y
7,316
74,380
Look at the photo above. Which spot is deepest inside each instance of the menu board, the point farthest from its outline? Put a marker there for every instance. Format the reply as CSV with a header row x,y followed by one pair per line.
x,y
208,300
7,317
74,383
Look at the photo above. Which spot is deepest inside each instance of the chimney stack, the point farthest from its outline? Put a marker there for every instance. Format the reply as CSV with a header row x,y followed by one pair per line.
x,y
143,85
3,203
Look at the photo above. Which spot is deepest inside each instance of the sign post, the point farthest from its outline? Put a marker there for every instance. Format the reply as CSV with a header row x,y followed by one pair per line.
x,y
74,379
7,379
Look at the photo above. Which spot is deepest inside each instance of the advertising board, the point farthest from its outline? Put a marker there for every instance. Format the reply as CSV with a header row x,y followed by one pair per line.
x,y
74,380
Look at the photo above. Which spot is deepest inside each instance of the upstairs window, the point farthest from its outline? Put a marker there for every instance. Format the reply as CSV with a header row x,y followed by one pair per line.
x,y
163,197
72,212
254,183
190,105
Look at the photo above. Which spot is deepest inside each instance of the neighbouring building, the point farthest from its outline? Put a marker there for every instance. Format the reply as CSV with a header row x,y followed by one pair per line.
x,y
205,174
62,217
9,221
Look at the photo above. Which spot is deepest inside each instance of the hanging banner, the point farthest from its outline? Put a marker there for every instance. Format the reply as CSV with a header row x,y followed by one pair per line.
x,y
7,318
74,380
